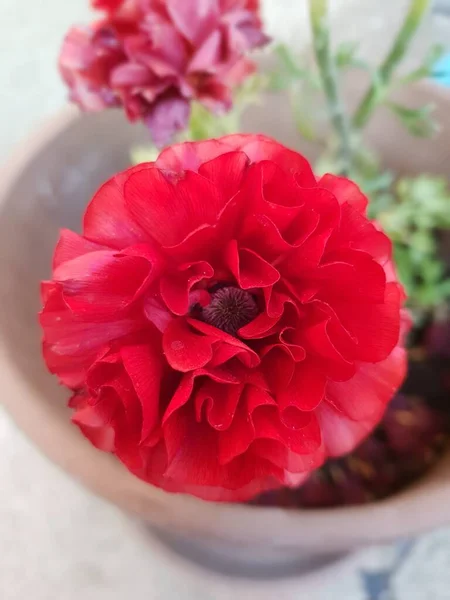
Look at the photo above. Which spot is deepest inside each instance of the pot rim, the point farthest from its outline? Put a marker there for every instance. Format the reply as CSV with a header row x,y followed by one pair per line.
x,y
420,507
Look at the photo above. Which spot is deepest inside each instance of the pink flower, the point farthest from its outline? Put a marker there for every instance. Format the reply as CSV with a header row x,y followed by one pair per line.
x,y
153,57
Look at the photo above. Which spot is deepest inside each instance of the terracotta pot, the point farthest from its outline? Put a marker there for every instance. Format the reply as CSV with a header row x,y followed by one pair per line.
x,y
46,186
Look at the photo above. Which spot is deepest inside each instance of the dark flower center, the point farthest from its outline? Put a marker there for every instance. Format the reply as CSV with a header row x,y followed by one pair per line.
x,y
230,309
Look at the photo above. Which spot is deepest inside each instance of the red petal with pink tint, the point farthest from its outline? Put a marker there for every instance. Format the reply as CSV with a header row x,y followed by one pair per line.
x,y
367,393
345,191
144,366
71,245
260,147
341,434
175,287
102,283
184,349
219,403
236,439
279,366
303,437
250,270
246,355
306,389
189,156
355,231
107,220
375,326
169,209
69,336
226,173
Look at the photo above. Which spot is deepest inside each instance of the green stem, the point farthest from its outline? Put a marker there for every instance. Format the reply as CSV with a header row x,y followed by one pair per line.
x,y
401,43
318,10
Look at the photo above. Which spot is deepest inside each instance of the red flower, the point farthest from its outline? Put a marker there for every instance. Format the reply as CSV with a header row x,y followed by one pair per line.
x,y
153,57
225,320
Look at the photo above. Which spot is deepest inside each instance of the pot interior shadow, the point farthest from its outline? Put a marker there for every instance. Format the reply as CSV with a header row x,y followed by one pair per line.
x,y
242,561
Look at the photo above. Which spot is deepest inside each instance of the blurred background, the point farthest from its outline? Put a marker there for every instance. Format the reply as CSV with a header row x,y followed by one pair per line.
x,y
58,541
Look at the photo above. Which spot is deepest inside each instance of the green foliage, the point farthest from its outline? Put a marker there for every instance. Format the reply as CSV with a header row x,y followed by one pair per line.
x,y
418,121
426,68
346,56
300,84
287,70
419,209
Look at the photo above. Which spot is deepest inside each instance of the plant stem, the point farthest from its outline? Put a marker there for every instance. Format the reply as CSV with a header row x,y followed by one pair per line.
x,y
318,10
398,50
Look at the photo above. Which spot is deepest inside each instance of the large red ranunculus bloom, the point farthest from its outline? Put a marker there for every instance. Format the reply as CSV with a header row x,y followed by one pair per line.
x,y
153,57
225,321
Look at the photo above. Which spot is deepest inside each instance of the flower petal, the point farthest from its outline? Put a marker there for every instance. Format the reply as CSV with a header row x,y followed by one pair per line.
x,y
341,434
250,270
375,326
263,148
345,191
367,393
175,286
184,349
71,245
107,220
194,20
102,283
168,115
305,391
143,363
168,210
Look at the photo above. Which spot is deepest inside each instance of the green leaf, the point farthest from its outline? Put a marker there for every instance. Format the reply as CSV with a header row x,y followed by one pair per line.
x,y
433,55
426,68
289,62
303,112
379,87
418,121
427,198
444,289
404,267
346,56
433,271
422,242
378,183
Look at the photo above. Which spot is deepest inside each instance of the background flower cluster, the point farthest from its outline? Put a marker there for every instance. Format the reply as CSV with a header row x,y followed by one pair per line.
x,y
153,57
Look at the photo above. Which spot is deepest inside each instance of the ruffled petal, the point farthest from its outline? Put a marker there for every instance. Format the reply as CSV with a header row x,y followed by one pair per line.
x,y
263,148
184,349
375,326
175,286
345,191
249,269
169,208
367,393
100,284
107,220
144,366
71,245
194,20
341,434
